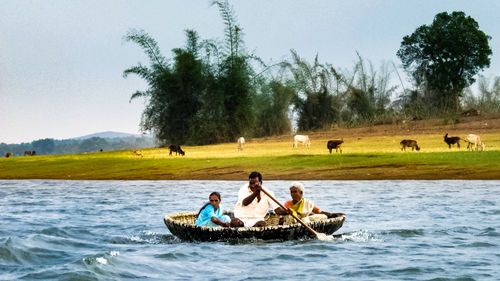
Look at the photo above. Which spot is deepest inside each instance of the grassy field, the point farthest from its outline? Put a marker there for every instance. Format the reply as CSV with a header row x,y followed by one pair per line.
x,y
373,157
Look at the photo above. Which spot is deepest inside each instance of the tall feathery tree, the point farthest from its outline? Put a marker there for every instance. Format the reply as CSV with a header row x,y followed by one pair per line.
x,y
173,94
369,92
226,112
272,108
314,101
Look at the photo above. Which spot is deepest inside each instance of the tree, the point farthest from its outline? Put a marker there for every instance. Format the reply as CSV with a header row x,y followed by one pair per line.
x,y
43,146
445,56
173,96
315,101
369,93
93,144
274,100
228,104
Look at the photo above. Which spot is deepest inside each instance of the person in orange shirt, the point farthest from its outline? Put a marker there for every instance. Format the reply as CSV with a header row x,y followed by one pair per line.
x,y
305,208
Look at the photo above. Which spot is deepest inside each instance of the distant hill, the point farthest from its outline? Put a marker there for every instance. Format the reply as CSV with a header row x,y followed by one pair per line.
x,y
108,135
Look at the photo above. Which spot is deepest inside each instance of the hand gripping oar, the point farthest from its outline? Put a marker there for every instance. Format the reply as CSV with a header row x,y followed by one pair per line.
x,y
320,236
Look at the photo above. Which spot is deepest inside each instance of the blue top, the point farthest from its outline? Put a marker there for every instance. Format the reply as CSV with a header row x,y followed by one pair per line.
x,y
207,213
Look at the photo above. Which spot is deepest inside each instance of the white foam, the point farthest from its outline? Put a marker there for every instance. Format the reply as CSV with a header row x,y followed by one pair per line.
x,y
102,260
359,236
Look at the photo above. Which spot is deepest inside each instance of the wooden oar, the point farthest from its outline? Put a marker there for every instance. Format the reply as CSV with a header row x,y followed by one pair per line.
x,y
319,235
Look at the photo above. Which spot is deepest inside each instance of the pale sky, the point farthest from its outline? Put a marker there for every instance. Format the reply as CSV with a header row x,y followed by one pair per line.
x,y
61,62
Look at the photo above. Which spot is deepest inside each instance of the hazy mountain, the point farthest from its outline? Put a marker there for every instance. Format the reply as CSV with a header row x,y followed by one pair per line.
x,y
108,135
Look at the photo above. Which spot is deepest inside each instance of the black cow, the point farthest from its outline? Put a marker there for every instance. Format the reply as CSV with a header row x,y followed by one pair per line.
x,y
8,154
175,148
337,144
409,143
451,140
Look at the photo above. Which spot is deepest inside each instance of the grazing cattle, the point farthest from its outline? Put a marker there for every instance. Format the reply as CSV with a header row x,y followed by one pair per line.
x,y
27,153
337,144
138,153
33,153
175,148
8,154
304,139
241,143
409,143
474,142
451,140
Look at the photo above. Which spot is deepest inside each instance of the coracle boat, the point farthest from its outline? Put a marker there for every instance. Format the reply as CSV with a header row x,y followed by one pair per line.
x,y
182,225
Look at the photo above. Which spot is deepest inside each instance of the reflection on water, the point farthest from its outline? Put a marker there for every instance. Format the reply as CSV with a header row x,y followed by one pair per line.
x,y
113,230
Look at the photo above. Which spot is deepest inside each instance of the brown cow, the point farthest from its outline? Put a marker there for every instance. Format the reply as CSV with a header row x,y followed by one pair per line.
x,y
175,148
27,153
409,143
337,144
8,154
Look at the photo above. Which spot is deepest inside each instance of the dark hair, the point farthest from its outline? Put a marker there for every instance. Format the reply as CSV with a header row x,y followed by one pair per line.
x,y
255,175
208,203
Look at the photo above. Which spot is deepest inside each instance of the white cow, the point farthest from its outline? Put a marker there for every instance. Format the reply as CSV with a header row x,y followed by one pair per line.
x,y
474,142
304,139
241,143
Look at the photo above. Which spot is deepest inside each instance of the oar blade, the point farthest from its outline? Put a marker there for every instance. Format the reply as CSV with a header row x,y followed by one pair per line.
x,y
322,236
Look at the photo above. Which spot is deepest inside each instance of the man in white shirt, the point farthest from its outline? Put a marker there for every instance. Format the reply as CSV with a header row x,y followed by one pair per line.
x,y
253,205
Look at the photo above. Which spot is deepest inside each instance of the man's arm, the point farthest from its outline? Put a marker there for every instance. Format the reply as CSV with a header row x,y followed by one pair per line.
x,y
251,197
282,212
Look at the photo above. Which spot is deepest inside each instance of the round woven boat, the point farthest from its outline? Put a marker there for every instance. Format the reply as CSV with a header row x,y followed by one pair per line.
x,y
182,225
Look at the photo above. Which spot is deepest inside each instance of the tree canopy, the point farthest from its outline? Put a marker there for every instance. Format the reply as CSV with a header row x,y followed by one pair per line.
x,y
445,56
212,91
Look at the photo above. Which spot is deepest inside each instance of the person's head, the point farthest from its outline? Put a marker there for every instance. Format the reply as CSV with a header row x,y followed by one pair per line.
x,y
214,199
254,178
296,191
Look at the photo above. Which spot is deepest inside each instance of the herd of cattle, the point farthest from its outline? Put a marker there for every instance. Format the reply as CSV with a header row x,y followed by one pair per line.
x,y
473,143
26,153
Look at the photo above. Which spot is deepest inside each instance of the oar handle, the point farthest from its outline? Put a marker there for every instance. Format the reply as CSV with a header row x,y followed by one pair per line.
x,y
293,215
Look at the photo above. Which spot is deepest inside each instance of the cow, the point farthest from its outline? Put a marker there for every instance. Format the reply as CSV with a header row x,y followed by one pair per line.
x,y
33,153
241,143
8,154
474,142
175,148
304,139
27,153
451,140
409,143
138,153
337,144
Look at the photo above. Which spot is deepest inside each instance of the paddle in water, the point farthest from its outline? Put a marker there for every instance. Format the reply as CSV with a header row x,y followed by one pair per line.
x,y
319,235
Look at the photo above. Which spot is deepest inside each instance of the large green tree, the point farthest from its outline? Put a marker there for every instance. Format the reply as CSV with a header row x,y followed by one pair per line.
x,y
445,56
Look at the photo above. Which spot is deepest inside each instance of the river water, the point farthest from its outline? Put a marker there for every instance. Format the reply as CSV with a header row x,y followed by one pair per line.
x,y
113,230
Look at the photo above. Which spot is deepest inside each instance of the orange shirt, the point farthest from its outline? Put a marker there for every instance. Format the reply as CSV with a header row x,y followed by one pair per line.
x,y
289,204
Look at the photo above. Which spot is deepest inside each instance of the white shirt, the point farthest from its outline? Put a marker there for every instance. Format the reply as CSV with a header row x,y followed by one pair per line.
x,y
255,210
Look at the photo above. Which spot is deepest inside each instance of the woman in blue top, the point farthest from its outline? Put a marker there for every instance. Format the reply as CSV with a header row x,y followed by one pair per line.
x,y
211,214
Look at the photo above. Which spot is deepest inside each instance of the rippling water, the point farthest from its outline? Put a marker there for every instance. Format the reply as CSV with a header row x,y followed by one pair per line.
x,y
109,230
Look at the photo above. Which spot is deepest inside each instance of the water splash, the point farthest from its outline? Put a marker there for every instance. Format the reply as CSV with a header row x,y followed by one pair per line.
x,y
362,235
101,259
